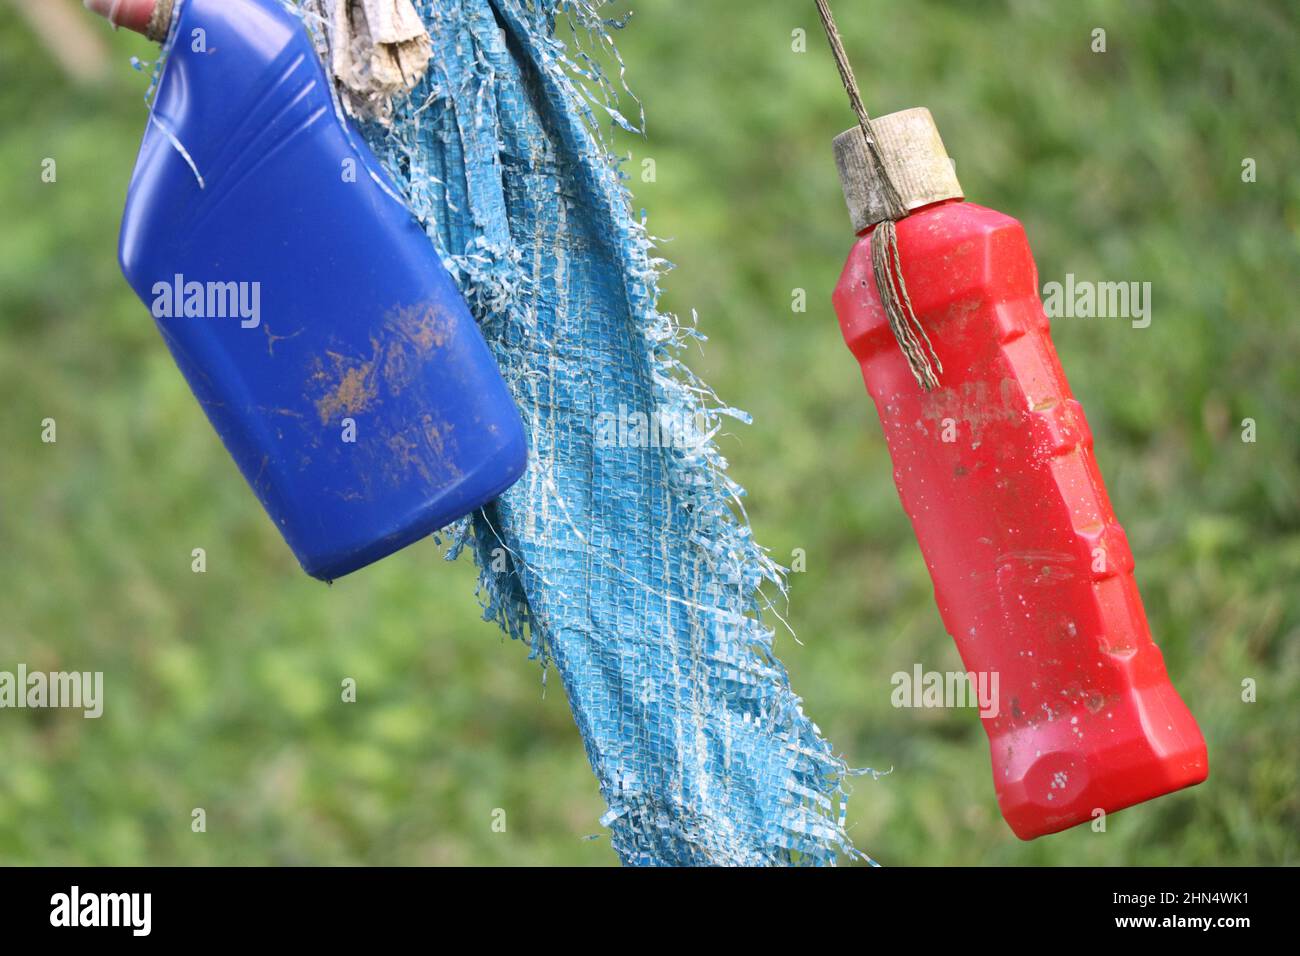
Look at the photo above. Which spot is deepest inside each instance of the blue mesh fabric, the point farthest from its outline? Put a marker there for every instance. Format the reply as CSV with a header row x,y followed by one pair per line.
x,y
628,567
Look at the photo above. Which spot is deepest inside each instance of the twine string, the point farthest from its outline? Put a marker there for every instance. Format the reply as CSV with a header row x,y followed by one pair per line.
x,y
886,262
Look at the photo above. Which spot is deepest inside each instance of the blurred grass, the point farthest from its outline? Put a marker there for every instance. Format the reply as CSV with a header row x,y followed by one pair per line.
x,y
222,689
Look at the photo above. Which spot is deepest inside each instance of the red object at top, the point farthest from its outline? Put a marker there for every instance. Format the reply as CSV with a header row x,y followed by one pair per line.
x,y
1032,573
132,14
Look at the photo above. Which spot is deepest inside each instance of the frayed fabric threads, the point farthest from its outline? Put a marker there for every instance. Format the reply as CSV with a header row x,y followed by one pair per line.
x,y
627,567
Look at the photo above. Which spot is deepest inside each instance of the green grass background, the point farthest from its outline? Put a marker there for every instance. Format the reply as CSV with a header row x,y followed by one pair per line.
x,y
223,688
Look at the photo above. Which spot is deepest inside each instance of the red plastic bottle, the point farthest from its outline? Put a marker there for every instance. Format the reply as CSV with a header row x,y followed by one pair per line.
x,y
1032,573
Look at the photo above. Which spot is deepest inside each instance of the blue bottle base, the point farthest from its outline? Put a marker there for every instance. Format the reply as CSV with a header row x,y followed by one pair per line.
x,y
475,490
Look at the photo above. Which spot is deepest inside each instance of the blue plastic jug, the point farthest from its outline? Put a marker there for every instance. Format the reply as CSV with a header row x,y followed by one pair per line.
x,y
307,309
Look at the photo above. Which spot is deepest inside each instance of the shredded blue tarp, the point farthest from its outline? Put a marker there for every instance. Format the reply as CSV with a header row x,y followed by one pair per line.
x,y
626,565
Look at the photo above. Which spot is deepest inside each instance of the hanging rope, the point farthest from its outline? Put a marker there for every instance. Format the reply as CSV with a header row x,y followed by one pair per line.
x,y
908,331
886,262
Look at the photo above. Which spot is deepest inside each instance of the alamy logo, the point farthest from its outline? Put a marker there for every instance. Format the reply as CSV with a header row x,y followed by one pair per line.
x,y
952,689
1099,300
180,299
660,429
78,690
74,908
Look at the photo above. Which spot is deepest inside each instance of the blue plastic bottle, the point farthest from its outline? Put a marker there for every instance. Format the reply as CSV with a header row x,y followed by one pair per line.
x,y
307,309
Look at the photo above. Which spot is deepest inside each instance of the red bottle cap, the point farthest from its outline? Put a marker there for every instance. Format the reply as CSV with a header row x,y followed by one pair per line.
x,y
152,18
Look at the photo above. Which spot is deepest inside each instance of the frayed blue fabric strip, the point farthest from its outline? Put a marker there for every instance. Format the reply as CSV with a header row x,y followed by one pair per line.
x,y
627,566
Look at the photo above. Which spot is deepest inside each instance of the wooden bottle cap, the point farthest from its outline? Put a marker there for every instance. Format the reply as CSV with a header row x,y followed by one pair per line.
x,y
914,159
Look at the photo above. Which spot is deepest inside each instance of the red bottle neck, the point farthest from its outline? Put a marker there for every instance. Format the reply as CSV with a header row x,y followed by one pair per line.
x,y
919,209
